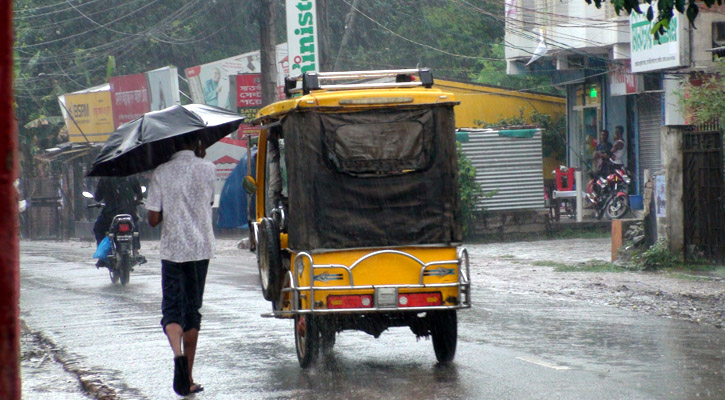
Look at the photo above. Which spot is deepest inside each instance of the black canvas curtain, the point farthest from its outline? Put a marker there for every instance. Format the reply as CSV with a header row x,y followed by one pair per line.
x,y
372,178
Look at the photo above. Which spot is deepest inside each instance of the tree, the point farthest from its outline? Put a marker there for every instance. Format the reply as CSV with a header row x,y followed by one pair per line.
x,y
469,190
703,99
666,9
493,72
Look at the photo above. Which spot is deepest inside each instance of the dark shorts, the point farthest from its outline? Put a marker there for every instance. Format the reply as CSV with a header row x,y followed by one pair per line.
x,y
182,285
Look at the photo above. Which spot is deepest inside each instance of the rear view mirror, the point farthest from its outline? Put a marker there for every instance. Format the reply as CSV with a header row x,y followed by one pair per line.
x,y
249,185
87,195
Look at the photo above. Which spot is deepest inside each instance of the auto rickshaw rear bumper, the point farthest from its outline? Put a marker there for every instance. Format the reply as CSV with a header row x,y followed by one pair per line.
x,y
384,298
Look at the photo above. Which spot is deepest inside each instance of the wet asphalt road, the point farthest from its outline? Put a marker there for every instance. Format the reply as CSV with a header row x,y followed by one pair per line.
x,y
511,345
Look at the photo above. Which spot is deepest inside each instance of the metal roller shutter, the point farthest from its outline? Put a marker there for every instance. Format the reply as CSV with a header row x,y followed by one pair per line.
x,y
511,166
649,116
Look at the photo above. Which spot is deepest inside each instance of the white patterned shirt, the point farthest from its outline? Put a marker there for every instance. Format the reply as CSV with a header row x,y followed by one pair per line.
x,y
183,189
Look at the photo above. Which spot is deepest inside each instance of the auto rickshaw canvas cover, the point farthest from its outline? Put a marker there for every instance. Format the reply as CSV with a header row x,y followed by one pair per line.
x,y
373,178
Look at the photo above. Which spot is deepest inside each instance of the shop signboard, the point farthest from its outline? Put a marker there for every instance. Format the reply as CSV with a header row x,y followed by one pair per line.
x,y
302,36
130,98
621,80
248,90
668,51
89,116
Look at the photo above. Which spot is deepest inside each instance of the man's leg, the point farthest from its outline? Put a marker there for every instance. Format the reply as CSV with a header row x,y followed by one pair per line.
x,y
172,307
172,303
190,338
100,228
195,283
175,334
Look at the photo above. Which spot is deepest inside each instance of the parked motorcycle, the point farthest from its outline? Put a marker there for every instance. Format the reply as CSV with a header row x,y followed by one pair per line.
x,y
609,194
124,242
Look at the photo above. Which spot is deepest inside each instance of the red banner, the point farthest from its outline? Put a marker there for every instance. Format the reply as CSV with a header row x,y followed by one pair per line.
x,y
249,90
129,98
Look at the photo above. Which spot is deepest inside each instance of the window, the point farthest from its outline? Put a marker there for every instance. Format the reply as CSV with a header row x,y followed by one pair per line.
x,y
379,143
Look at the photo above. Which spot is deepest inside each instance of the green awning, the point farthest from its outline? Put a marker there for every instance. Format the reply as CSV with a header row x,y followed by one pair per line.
x,y
518,133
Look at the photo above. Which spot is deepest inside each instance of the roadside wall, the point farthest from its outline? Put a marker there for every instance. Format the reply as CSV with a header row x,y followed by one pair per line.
x,y
503,224
490,103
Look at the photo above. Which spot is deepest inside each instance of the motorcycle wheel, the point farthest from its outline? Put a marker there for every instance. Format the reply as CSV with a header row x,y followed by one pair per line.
x,y
617,207
125,269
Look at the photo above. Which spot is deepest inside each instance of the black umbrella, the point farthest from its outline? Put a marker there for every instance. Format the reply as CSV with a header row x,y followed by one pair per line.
x,y
149,141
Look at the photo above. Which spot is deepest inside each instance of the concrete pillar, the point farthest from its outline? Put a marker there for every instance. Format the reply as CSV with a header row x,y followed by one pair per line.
x,y
617,238
672,161
579,181
9,274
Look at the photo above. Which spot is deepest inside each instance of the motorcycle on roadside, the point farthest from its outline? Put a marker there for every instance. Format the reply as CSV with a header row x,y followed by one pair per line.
x,y
123,245
609,193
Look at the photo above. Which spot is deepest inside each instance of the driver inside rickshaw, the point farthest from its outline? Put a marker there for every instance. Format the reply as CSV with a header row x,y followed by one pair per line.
x,y
276,172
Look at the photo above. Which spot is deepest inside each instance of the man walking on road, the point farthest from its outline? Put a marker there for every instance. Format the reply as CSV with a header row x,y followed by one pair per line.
x,y
181,194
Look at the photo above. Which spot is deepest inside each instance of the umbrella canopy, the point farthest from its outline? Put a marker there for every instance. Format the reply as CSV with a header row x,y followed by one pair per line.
x,y
152,139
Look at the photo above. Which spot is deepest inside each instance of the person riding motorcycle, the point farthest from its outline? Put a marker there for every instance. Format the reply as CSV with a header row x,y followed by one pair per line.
x,y
120,195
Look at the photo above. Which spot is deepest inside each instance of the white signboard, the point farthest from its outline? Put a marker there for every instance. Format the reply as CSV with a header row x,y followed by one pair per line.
x,y
209,83
163,86
621,80
302,36
669,51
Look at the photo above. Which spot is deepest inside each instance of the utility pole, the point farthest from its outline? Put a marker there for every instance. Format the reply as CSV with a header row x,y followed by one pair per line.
x,y
349,24
9,273
323,36
268,54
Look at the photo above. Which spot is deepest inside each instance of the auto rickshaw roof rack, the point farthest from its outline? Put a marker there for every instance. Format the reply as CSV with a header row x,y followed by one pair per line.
x,y
403,79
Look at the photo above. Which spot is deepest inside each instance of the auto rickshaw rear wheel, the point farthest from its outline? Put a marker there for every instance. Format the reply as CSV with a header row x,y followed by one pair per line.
x,y
269,259
444,334
307,339
327,340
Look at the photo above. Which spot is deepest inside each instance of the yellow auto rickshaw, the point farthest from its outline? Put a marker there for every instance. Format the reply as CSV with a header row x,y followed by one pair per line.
x,y
357,208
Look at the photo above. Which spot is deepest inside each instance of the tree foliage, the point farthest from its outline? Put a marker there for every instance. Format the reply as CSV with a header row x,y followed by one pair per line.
x,y
493,72
470,191
704,100
67,46
666,8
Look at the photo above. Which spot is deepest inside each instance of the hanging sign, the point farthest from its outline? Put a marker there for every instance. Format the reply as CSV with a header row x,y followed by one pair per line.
x,y
302,36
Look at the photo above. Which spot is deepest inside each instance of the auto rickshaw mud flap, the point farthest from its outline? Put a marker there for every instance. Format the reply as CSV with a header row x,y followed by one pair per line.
x,y
269,259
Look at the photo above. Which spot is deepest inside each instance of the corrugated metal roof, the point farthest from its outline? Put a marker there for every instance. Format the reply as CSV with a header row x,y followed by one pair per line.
x,y
511,166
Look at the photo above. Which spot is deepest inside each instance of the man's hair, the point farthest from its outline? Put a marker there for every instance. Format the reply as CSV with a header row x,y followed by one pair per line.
x,y
187,142
604,131
619,128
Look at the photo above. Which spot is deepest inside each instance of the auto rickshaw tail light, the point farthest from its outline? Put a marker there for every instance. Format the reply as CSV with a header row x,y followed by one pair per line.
x,y
350,301
419,299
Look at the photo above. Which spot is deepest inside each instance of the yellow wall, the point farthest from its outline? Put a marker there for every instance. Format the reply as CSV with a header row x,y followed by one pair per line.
x,y
487,103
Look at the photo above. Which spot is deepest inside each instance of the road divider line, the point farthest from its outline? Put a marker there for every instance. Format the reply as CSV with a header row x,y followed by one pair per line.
x,y
543,363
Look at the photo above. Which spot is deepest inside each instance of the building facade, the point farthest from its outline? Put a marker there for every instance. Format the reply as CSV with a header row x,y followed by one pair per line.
x,y
613,71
